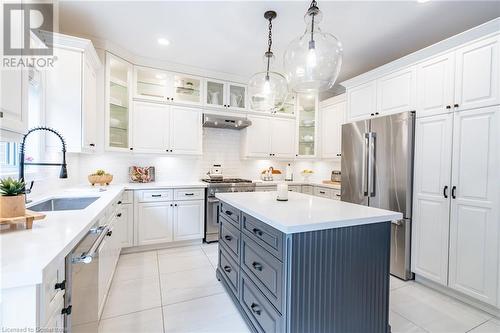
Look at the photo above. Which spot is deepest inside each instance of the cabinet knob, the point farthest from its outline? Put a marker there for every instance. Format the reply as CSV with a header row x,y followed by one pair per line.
x,y
119,202
448,107
228,238
119,215
257,266
376,113
131,148
60,285
92,145
456,105
109,233
372,114
227,269
255,309
66,311
339,155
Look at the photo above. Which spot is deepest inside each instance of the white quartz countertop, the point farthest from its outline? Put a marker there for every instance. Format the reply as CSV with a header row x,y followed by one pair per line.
x,y
25,253
302,212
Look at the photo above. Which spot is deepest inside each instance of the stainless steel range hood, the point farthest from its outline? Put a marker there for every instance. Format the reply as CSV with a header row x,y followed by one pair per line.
x,y
229,122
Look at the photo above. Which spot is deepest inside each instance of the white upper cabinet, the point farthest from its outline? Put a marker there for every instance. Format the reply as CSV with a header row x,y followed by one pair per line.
x,y
475,220
70,94
477,74
185,131
166,129
13,100
435,78
431,200
151,125
396,92
228,95
187,89
361,101
257,137
332,118
283,138
118,134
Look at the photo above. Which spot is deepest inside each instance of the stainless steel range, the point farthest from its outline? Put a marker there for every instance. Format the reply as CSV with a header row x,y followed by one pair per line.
x,y
223,185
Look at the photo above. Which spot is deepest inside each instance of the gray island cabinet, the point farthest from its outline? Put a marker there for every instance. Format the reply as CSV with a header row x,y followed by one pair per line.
x,y
306,265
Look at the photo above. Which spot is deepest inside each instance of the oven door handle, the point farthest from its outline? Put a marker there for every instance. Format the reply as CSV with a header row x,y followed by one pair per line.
x,y
88,256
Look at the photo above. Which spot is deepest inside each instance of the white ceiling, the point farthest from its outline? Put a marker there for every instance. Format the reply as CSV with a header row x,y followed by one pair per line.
x,y
231,36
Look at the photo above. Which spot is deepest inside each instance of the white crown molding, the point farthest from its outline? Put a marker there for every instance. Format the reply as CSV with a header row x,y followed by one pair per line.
x,y
333,100
447,45
76,43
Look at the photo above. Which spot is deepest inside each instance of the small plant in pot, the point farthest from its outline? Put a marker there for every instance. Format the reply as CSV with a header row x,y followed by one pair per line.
x,y
12,201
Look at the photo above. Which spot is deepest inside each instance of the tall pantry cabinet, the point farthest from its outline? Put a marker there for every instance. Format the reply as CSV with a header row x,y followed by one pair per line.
x,y
456,227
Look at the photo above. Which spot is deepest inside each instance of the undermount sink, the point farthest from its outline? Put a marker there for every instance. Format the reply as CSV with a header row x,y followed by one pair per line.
x,y
57,204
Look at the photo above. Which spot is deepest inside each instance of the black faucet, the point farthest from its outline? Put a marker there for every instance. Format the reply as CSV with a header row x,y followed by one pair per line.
x,y
64,171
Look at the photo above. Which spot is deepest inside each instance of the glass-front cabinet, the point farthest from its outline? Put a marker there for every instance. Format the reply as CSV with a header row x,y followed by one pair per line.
x,y
161,86
288,107
225,94
118,79
307,116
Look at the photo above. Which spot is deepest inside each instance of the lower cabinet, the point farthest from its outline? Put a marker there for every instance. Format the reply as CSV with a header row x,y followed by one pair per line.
x,y
126,234
154,223
187,217
164,216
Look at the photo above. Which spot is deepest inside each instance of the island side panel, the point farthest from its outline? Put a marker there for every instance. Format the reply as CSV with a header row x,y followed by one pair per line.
x,y
339,280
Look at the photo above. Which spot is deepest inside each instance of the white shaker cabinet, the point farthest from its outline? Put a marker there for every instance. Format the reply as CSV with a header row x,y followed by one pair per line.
x,y
477,74
151,125
332,118
283,138
475,219
431,201
361,101
154,223
396,92
435,79
185,131
13,100
188,220
126,220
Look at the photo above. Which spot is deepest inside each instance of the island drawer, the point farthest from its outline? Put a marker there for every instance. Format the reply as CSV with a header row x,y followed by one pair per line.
x,y
262,314
229,269
265,271
267,237
230,236
230,213
155,195
189,194
323,192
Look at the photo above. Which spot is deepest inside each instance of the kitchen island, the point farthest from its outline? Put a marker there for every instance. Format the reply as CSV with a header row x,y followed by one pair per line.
x,y
308,264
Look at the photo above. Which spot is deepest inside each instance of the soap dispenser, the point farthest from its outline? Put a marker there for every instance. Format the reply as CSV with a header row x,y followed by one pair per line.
x,y
288,173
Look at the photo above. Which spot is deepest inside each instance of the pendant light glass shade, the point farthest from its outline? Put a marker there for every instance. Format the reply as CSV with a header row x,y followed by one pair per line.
x,y
267,90
312,61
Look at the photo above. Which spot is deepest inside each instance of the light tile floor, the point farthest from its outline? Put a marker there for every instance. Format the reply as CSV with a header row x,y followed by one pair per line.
x,y
175,290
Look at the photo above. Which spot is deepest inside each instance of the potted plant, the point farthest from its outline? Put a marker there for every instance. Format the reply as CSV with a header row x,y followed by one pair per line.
x,y
12,201
100,177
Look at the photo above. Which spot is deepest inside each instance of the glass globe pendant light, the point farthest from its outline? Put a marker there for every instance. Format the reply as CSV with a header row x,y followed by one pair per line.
x,y
267,89
312,61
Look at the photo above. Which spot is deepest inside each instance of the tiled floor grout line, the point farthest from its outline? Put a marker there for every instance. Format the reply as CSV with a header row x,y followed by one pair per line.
x,y
410,320
161,294
129,313
487,320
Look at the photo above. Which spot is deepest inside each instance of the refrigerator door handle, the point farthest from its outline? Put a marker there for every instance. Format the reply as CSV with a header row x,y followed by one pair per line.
x,y
372,163
366,164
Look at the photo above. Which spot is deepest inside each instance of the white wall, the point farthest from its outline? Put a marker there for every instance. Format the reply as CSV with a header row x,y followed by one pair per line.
x,y
220,146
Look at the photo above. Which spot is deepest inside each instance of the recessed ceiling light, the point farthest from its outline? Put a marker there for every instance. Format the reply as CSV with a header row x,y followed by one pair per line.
x,y
163,41
422,1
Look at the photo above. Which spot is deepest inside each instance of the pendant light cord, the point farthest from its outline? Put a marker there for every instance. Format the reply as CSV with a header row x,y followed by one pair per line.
x,y
269,54
313,11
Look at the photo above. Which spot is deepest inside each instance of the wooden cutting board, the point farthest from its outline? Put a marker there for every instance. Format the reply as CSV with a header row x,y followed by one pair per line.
x,y
28,218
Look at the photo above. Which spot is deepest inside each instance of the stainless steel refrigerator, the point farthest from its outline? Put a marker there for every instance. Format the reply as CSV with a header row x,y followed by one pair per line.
x,y
377,171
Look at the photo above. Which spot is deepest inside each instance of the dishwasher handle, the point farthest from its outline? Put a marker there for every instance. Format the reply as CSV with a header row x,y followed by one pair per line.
x,y
88,256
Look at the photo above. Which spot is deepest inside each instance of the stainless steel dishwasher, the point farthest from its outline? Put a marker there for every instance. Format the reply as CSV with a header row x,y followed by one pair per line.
x,y
82,274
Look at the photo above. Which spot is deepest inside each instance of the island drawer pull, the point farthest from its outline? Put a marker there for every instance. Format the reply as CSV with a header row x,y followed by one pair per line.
x,y
189,194
257,265
228,238
227,269
321,192
228,212
256,309
258,232
156,195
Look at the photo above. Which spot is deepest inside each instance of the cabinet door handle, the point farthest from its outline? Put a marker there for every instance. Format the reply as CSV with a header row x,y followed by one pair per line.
x,y
156,195
257,232
445,192
60,285
66,311
321,192
453,190
109,233
456,105
175,205
189,194
448,107
228,238
92,145
338,195
228,212
119,215
257,266
255,309
119,202
227,269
